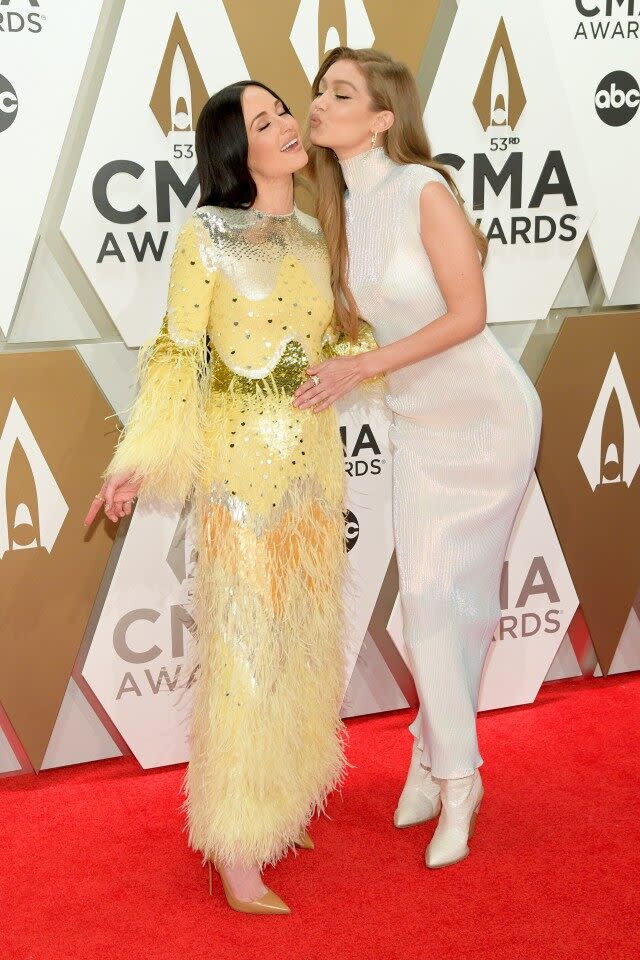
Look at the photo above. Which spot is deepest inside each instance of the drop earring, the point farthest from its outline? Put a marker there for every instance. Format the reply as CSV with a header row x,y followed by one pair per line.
x,y
374,137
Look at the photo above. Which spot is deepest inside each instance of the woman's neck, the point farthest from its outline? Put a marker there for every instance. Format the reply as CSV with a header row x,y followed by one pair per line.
x,y
274,197
363,147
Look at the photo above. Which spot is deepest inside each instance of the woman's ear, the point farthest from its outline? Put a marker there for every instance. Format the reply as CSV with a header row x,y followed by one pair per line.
x,y
385,121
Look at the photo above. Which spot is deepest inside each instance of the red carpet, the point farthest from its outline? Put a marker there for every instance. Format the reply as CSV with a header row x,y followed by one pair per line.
x,y
95,864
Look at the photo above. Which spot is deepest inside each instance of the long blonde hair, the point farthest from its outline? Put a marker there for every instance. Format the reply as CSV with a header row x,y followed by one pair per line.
x,y
391,87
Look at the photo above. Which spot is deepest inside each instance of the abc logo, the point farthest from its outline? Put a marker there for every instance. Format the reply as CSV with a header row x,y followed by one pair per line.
x,y
617,98
8,104
351,529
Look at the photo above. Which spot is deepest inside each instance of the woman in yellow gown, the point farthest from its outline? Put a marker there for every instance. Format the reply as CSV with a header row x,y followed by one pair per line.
x,y
250,307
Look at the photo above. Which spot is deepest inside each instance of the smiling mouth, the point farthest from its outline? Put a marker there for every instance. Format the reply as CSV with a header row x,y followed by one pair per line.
x,y
289,146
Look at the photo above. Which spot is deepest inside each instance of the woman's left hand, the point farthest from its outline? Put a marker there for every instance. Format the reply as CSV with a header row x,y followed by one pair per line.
x,y
334,379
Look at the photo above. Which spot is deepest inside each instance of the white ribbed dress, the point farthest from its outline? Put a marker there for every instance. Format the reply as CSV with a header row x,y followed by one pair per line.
x,y
465,432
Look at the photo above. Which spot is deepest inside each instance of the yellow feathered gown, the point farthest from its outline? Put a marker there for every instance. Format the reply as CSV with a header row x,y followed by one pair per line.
x,y
249,308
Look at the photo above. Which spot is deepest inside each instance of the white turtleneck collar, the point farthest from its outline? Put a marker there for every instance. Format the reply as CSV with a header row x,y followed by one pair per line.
x,y
365,171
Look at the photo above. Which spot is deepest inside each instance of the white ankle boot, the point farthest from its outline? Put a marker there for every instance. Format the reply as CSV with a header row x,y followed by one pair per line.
x,y
461,800
420,797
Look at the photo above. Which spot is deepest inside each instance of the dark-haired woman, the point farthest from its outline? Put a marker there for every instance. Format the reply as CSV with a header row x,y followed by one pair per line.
x,y
250,307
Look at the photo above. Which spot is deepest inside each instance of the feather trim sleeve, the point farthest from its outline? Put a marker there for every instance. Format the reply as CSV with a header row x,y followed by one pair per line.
x,y
163,440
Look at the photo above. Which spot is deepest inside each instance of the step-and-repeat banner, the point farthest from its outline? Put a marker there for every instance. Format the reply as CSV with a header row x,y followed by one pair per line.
x,y
535,110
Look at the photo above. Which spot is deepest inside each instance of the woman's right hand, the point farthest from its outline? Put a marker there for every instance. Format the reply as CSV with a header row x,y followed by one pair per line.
x,y
116,497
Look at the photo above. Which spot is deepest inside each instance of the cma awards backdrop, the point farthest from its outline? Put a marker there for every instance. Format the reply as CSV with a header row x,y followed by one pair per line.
x,y
535,109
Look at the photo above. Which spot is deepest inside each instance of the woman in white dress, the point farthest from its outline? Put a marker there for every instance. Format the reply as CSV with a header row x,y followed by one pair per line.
x,y
466,419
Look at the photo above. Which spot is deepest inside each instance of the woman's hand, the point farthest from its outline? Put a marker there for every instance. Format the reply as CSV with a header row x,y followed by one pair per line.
x,y
334,378
116,495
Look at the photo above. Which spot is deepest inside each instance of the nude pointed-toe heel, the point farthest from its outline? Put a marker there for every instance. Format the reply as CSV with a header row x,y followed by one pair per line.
x,y
268,904
305,842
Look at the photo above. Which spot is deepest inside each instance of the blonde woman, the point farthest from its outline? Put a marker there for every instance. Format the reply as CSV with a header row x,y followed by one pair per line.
x,y
250,305
466,419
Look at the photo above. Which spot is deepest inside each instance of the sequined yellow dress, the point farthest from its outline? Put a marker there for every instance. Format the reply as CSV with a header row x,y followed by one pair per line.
x,y
249,308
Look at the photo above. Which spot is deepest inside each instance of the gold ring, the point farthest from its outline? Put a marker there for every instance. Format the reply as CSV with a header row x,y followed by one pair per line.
x,y
98,497
316,379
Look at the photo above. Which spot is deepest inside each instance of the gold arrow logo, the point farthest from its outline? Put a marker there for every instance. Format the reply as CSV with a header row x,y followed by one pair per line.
x,y
179,94
500,99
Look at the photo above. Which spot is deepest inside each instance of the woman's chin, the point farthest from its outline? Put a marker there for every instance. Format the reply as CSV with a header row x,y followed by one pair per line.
x,y
317,139
294,161
301,160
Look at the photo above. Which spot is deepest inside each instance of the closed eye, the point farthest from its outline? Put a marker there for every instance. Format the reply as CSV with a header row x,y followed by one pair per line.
x,y
338,96
283,114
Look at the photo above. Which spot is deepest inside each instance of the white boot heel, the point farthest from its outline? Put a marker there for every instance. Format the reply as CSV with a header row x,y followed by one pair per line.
x,y
420,797
472,822
461,800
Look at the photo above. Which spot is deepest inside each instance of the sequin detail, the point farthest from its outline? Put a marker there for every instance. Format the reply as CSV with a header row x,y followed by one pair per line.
x,y
248,248
285,371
